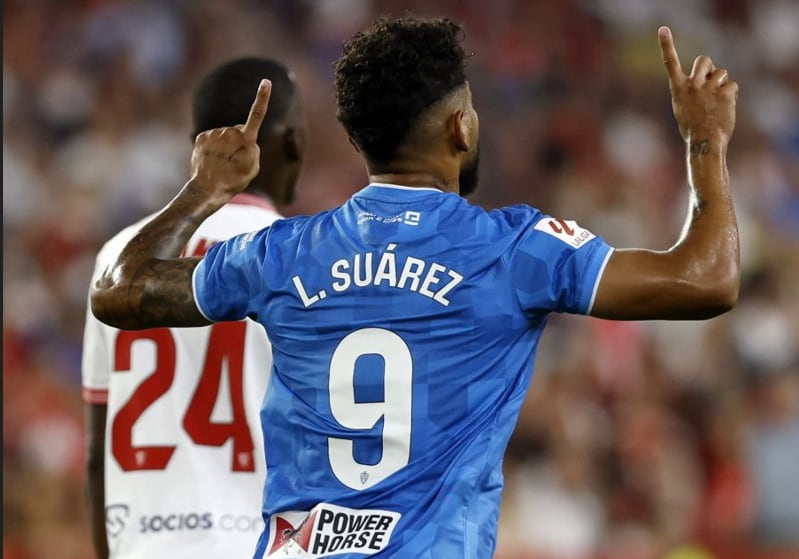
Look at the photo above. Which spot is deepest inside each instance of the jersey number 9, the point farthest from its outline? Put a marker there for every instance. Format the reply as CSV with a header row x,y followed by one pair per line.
x,y
395,409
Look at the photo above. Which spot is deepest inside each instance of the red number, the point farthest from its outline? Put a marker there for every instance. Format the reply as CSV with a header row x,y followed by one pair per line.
x,y
154,386
225,345
560,226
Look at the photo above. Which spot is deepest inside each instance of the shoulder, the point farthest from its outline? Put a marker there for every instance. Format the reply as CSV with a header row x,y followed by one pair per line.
x,y
509,220
531,222
524,229
280,237
516,215
299,225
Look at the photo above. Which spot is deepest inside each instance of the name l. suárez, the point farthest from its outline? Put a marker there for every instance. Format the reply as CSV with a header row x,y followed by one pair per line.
x,y
430,279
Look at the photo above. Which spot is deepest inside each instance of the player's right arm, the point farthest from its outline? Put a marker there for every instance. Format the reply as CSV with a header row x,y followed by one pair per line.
x,y
699,276
95,480
149,286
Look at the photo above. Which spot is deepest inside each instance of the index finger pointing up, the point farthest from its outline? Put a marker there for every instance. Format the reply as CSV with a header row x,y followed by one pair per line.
x,y
257,111
670,58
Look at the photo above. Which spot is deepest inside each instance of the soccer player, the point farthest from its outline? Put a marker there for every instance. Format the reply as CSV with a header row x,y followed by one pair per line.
x,y
176,463
404,323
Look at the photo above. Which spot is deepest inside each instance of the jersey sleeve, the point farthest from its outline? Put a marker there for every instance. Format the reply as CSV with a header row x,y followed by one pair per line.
x,y
556,266
226,281
95,361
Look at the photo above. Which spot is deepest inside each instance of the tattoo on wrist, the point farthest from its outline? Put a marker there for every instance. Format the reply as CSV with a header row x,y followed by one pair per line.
x,y
699,148
220,155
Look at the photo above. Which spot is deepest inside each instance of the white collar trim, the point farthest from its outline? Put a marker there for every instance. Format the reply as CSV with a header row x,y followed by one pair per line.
x,y
401,187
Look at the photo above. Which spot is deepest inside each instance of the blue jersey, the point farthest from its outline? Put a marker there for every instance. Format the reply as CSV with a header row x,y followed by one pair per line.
x,y
404,326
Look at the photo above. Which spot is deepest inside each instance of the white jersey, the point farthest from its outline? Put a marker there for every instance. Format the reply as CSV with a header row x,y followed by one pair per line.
x,y
184,460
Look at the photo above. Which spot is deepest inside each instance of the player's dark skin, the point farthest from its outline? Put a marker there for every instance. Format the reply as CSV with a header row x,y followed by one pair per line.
x,y
697,278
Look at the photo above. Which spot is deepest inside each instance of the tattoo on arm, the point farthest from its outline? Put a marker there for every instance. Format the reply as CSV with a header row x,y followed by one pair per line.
x,y
149,285
699,148
166,295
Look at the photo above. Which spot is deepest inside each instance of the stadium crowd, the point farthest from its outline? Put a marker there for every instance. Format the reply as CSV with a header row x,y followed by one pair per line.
x,y
638,440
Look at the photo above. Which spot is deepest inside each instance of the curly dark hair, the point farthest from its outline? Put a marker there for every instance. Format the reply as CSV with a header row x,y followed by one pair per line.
x,y
388,75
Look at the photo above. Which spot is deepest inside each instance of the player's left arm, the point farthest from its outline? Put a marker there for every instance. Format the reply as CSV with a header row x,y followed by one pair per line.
x,y
149,286
699,276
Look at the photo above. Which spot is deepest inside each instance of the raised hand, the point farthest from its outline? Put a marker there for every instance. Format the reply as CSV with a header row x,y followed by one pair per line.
x,y
225,160
703,101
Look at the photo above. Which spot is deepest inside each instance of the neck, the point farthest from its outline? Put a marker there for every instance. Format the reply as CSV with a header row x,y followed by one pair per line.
x,y
271,186
253,190
416,180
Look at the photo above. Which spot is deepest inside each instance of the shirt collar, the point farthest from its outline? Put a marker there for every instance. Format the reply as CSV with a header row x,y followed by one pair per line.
x,y
397,193
401,187
245,199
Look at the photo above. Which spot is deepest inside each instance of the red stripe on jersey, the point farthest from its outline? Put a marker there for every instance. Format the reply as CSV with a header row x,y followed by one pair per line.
x,y
244,199
95,395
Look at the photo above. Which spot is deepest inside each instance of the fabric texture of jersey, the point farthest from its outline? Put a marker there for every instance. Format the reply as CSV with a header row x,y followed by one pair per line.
x,y
184,464
404,326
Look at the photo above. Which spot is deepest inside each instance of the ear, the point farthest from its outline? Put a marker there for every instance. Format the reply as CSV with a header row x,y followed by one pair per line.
x,y
352,142
291,147
459,126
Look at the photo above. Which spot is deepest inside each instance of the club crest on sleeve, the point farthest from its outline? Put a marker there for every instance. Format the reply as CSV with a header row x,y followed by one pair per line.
x,y
567,231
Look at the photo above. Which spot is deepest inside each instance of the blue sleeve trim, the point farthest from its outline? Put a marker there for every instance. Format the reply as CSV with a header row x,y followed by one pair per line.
x,y
593,273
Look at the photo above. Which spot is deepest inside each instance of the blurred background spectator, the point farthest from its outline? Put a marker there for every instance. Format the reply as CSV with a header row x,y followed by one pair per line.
x,y
638,440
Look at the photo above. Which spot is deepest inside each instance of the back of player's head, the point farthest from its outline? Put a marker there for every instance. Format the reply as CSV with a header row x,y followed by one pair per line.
x,y
390,74
225,95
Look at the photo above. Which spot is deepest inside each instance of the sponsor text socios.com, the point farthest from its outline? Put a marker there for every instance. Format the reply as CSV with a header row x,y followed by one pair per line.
x,y
199,521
